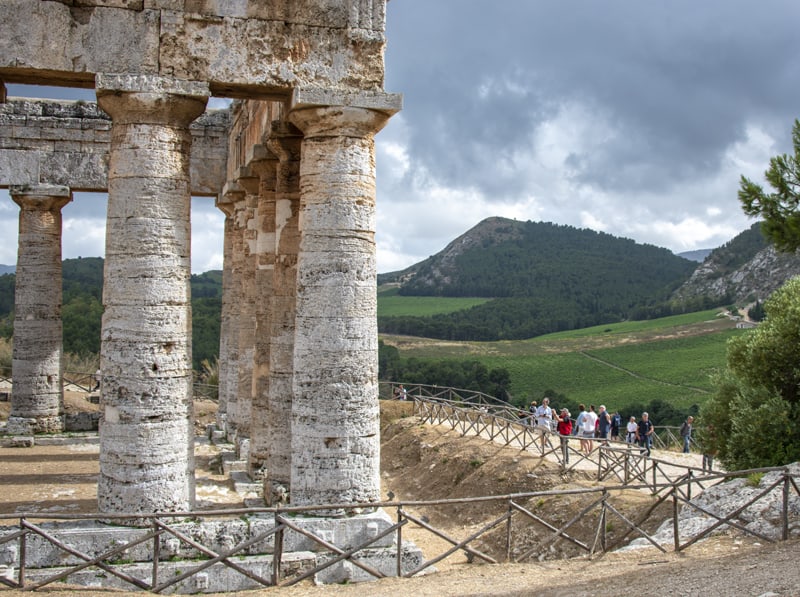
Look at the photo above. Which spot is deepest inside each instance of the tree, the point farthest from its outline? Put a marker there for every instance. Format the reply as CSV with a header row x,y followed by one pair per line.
x,y
753,419
779,209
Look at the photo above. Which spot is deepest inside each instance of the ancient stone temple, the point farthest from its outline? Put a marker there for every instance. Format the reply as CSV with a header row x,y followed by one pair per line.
x,y
292,167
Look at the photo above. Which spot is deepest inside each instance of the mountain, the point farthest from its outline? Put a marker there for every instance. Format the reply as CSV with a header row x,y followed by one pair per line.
x,y
7,269
699,255
501,257
745,269
544,278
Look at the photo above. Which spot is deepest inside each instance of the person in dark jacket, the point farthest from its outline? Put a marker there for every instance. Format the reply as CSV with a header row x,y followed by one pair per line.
x,y
644,434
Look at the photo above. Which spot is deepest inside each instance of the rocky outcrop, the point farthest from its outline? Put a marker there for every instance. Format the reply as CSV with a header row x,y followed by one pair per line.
x,y
757,279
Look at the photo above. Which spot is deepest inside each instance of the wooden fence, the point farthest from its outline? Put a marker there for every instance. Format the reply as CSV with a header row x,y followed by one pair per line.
x,y
602,506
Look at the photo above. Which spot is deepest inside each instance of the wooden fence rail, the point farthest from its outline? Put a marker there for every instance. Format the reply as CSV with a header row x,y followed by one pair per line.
x,y
601,504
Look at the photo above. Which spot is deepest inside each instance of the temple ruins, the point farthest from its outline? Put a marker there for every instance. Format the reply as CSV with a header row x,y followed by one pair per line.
x,y
291,165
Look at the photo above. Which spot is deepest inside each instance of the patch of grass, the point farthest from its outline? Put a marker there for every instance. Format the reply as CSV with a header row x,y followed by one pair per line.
x,y
754,479
475,462
423,306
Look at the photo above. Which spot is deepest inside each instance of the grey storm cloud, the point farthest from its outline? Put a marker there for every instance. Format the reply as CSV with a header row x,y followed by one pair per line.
x,y
678,81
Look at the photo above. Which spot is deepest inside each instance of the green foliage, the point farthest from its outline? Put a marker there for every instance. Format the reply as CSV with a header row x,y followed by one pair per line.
x,y
778,209
206,314
769,356
6,299
753,419
757,312
207,285
82,310
5,356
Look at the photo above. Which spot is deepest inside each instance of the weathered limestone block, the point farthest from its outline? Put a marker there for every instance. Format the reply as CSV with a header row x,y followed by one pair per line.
x,y
232,45
146,436
38,393
77,42
335,459
66,143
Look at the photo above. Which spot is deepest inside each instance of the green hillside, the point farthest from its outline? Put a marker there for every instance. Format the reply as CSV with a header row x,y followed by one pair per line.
x,y
625,366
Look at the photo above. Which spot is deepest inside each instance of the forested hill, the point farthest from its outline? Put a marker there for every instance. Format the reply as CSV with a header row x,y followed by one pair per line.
x,y
544,277
82,308
503,258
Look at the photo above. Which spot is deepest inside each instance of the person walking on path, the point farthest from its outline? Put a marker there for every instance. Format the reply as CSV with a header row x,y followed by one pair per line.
x,y
544,415
616,423
631,428
644,434
588,424
564,428
686,433
603,424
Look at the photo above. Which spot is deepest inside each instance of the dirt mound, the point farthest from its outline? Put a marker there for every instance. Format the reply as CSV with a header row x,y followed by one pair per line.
x,y
427,462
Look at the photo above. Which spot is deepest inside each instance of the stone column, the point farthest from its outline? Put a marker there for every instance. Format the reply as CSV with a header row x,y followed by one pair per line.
x,y
146,433
285,142
37,396
335,414
265,168
247,223
225,361
233,195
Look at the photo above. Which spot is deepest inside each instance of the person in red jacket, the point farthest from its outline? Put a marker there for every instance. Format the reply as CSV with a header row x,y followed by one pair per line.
x,y
564,428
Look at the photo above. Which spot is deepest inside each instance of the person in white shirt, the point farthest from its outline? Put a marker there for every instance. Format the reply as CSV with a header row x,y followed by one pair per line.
x,y
631,428
588,424
544,416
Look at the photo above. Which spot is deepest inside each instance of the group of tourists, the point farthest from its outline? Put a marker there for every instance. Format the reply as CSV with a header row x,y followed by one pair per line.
x,y
599,424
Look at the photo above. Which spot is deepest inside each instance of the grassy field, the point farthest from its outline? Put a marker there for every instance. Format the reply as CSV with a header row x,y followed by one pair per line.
x,y
391,304
670,359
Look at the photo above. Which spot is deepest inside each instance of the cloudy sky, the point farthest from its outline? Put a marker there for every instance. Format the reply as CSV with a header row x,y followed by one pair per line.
x,y
635,118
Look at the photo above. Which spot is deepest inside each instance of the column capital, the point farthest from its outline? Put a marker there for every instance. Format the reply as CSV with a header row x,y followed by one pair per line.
x,y
285,140
320,112
232,193
150,99
40,196
338,121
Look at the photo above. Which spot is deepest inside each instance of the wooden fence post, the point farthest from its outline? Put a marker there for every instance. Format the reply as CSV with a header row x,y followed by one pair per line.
x,y
675,526
785,505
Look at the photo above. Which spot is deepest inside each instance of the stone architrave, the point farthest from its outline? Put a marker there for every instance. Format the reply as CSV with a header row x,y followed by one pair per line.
x,y
335,413
285,141
146,432
265,168
37,395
